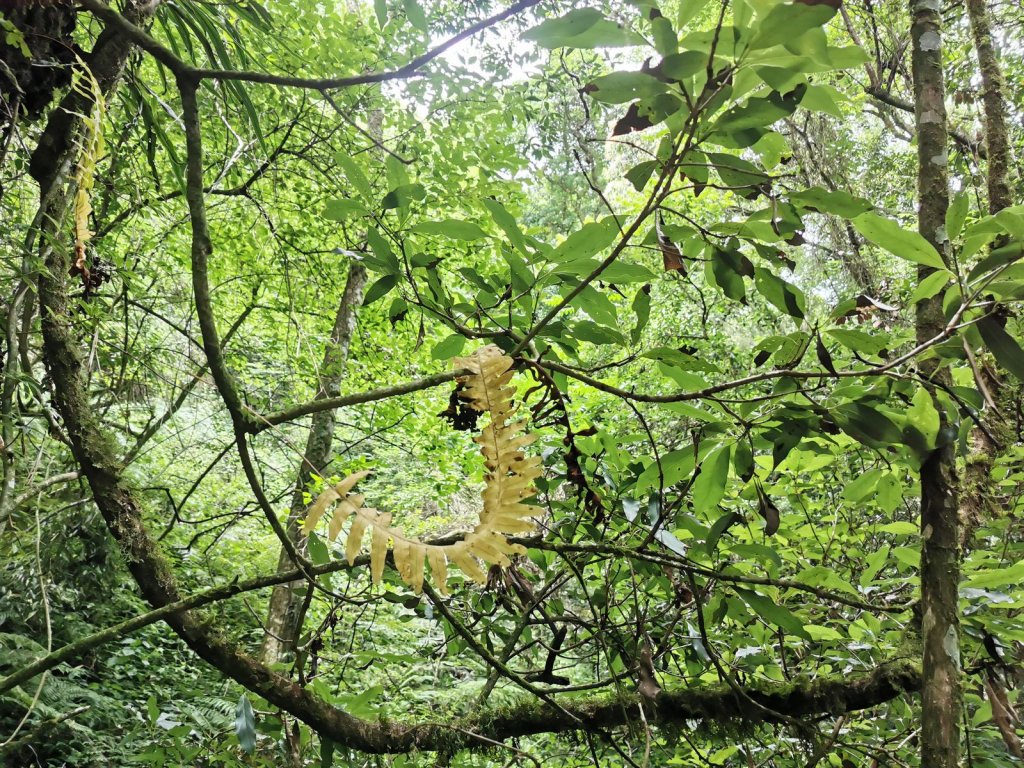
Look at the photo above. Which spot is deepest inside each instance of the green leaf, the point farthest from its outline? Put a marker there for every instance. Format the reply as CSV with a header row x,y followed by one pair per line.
x,y
245,725
788,21
385,258
642,309
403,196
414,12
773,613
582,28
782,295
453,228
923,416
340,209
1003,346
760,112
355,175
380,289
682,65
956,214
931,285
620,87
709,487
1000,577
641,173
507,222
449,347
380,8
889,235
837,202
589,239
318,552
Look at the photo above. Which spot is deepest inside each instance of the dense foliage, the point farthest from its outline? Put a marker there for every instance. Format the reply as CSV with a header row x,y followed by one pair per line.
x,y
459,383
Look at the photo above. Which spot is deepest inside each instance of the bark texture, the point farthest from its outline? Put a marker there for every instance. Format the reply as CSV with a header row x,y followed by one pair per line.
x,y
940,538
993,87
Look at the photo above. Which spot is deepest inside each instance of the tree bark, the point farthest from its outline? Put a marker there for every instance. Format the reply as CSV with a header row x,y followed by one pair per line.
x,y
284,619
993,86
940,540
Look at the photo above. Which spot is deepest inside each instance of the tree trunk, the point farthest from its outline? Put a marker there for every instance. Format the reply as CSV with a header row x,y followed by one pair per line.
x,y
284,615
940,540
993,85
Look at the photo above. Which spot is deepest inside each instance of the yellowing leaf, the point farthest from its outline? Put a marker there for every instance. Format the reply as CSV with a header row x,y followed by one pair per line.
x,y
439,568
379,547
355,536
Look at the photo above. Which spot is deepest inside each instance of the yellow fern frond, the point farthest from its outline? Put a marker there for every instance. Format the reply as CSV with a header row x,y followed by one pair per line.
x,y
509,478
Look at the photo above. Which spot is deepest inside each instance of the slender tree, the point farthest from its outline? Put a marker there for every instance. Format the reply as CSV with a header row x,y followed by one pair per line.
x,y
940,538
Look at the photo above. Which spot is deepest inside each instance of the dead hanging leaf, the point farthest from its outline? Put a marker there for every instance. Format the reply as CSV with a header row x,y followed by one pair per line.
x,y
864,301
767,509
671,256
648,686
824,356
379,546
510,482
632,121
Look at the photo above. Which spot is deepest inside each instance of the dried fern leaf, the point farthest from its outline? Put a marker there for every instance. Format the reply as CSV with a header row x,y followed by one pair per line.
x,y
415,571
355,535
318,508
438,568
347,506
379,546
459,554
509,482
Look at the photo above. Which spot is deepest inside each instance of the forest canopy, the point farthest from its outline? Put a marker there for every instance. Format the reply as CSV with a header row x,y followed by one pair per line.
x,y
432,383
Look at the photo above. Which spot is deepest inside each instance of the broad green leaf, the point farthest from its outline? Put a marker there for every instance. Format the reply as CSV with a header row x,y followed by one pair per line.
x,y
782,295
680,66
836,202
620,87
873,563
453,228
507,222
931,285
772,612
904,243
355,175
403,196
759,112
923,417
318,552
642,309
589,239
385,257
414,12
789,20
824,98
582,28
380,289
675,465
709,487
998,577
449,347
956,214
340,209
245,725
1003,346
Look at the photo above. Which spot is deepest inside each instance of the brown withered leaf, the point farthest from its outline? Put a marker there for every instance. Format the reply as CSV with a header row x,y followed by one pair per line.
x,y
648,686
671,256
631,122
767,509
